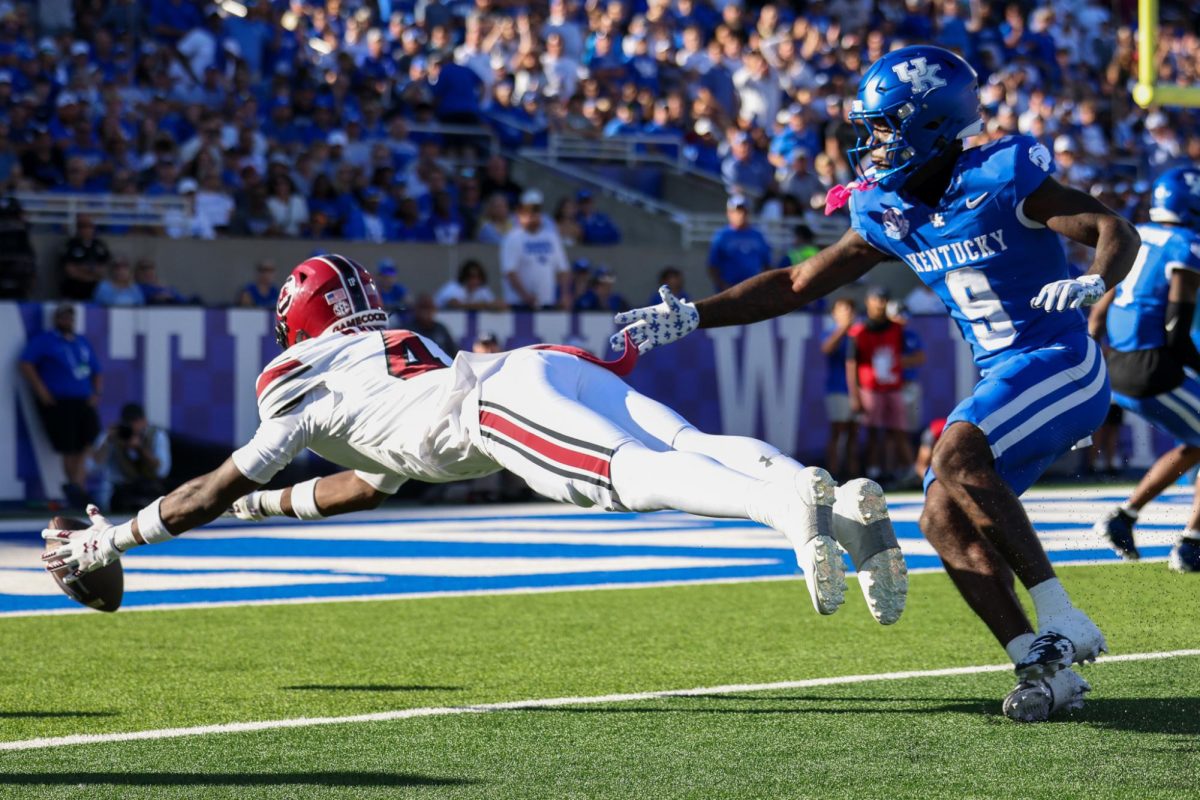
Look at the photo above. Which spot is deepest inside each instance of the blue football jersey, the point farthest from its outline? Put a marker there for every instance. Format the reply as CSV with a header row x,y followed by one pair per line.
x,y
978,251
1138,311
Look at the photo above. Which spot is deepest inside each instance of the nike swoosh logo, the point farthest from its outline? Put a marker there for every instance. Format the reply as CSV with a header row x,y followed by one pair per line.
x,y
974,201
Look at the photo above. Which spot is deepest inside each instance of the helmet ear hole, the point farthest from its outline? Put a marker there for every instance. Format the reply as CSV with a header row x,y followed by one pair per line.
x,y
933,125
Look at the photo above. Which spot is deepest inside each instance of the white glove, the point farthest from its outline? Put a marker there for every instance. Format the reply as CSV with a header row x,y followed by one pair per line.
x,y
651,326
249,508
84,551
1061,295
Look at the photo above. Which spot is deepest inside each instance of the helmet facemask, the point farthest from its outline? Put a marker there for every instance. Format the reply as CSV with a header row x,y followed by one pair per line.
x,y
876,130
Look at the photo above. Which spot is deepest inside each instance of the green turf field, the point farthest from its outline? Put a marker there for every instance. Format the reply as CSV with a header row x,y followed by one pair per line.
x,y
1139,735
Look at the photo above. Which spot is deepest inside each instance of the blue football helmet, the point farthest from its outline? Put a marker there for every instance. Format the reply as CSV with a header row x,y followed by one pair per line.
x,y
1175,197
927,97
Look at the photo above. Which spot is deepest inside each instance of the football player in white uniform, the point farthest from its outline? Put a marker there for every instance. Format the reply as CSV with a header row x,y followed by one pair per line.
x,y
389,405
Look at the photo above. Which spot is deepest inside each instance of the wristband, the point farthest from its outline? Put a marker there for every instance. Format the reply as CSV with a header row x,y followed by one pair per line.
x,y
150,524
270,503
304,500
123,536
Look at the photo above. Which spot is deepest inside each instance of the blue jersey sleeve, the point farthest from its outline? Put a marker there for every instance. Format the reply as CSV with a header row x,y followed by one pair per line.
x,y
863,225
1187,256
1032,164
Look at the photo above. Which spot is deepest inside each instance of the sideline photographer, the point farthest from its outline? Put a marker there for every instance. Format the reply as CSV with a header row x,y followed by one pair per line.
x,y
134,458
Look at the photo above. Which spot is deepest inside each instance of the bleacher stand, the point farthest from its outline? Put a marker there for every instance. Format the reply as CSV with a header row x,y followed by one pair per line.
x,y
377,121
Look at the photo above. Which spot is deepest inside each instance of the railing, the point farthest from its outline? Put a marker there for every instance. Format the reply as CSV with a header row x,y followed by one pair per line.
x,y
646,149
699,229
106,210
695,228
478,132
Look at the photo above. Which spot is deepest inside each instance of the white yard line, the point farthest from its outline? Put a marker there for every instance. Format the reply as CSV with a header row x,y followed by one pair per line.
x,y
549,702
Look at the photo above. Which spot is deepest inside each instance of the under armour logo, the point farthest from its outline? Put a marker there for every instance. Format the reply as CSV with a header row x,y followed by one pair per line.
x,y
765,461
922,75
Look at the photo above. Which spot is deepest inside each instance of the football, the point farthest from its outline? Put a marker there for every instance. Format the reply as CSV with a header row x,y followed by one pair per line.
x,y
102,589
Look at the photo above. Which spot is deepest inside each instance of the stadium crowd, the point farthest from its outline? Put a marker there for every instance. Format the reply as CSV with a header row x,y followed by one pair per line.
x,y
319,119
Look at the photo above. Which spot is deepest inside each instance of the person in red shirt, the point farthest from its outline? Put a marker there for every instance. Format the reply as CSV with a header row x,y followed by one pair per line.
x,y
874,376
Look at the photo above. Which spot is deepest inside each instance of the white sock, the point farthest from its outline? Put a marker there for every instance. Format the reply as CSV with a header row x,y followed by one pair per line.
x,y
1129,510
1191,533
1050,599
1019,647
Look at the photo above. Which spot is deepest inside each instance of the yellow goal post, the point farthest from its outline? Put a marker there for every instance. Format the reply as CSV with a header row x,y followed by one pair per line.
x,y
1148,91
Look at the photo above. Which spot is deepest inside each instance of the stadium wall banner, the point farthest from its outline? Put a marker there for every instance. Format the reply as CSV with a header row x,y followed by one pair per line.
x,y
193,369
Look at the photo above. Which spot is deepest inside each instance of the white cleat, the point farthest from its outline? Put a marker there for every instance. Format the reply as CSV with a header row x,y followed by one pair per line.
x,y
818,554
1035,701
861,525
1067,639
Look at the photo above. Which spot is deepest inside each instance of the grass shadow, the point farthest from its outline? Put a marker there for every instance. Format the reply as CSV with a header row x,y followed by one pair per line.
x,y
327,779
1178,716
368,687
50,714
1174,716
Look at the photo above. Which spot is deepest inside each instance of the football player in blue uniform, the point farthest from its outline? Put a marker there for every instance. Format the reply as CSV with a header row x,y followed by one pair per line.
x,y
980,227
1149,324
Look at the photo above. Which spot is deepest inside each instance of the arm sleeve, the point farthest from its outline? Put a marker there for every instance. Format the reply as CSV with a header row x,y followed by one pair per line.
x,y
1032,164
276,442
1179,334
93,362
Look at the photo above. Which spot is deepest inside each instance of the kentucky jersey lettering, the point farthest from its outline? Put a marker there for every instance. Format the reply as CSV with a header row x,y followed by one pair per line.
x,y
1137,316
978,251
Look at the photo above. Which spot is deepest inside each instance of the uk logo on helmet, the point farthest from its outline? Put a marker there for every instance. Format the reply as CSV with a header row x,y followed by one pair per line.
x,y
920,73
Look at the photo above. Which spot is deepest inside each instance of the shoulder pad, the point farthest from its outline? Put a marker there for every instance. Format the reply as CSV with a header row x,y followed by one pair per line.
x,y
281,386
285,381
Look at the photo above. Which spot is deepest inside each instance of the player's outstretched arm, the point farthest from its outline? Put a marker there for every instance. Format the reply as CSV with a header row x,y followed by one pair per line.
x,y
776,292
193,504
1084,219
342,493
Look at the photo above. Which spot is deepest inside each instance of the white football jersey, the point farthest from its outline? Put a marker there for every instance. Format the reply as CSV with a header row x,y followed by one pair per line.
x,y
388,404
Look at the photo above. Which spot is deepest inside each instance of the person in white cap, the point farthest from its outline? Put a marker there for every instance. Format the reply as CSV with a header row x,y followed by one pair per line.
x,y
533,262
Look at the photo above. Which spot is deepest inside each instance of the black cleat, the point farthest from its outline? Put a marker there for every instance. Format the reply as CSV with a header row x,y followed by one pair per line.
x,y
1185,556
